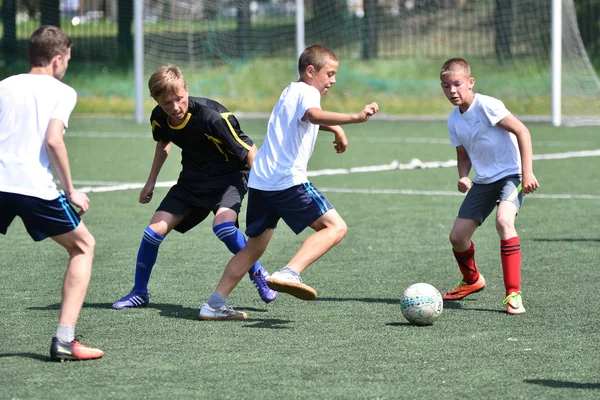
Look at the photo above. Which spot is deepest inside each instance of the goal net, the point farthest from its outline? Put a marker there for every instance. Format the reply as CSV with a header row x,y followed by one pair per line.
x,y
244,52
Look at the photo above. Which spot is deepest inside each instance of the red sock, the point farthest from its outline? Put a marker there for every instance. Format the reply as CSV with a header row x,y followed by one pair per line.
x,y
510,253
467,265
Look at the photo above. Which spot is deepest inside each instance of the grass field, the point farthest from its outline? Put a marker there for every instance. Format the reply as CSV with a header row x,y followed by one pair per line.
x,y
352,342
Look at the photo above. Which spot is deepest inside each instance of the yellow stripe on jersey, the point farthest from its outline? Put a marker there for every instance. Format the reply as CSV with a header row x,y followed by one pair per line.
x,y
218,143
182,125
514,194
155,124
233,132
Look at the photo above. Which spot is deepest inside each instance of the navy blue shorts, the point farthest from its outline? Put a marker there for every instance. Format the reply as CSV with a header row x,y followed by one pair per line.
x,y
42,218
299,206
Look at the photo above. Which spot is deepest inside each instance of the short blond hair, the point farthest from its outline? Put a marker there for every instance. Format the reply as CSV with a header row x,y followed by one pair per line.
x,y
456,66
166,80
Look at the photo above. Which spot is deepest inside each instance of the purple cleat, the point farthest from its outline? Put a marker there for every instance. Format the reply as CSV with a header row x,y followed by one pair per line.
x,y
132,300
259,278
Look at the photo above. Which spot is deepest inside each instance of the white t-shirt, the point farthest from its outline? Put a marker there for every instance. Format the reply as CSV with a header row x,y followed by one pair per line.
x,y
494,152
282,160
27,104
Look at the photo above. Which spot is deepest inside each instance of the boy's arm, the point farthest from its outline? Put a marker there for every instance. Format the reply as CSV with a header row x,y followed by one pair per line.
x,y
340,142
329,118
57,151
513,125
250,156
464,167
160,156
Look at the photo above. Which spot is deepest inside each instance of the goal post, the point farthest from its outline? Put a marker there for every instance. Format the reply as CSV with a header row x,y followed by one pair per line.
x,y
530,55
556,62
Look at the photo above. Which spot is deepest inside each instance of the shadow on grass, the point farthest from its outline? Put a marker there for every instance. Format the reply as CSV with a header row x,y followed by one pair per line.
x,y
269,323
33,356
178,311
458,305
404,324
562,384
568,240
361,299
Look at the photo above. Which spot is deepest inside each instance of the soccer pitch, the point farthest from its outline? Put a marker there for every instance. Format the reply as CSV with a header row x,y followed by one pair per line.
x,y
396,188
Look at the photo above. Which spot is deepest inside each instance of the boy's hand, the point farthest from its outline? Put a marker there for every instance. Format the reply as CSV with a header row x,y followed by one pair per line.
x,y
146,193
340,142
464,184
367,112
79,200
529,184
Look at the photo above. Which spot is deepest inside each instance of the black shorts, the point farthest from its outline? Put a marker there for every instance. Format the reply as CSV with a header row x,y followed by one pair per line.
x,y
299,206
196,206
42,218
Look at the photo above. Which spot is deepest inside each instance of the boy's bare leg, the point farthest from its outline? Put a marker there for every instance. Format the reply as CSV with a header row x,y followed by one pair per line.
x,y
79,243
330,230
215,308
239,265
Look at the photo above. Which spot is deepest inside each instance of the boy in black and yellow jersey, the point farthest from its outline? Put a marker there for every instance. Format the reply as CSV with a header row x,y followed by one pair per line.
x,y
216,160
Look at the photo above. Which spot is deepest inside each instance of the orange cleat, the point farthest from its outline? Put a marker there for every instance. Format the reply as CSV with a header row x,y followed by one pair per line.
x,y
464,289
514,303
74,350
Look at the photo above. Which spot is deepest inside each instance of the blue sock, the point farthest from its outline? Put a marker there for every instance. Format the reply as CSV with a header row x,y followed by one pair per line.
x,y
233,238
146,259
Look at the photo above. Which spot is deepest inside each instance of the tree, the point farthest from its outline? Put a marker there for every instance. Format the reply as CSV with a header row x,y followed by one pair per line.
x,y
371,40
9,24
50,10
588,19
243,26
124,36
328,20
503,24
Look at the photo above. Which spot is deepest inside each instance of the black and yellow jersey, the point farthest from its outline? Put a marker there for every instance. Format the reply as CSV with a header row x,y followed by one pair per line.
x,y
213,146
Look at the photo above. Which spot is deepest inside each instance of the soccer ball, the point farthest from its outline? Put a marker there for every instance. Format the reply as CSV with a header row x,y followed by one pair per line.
x,y
422,304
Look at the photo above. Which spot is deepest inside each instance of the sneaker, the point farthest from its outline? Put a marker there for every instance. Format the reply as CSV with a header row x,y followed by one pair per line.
x,y
207,313
291,284
514,303
464,289
132,300
74,350
259,278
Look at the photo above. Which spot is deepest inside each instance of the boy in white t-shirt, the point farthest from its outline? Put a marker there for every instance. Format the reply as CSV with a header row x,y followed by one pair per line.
x,y
497,145
34,113
279,186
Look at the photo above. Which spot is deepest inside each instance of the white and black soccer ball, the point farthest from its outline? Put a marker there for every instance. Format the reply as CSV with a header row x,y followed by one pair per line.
x,y
422,304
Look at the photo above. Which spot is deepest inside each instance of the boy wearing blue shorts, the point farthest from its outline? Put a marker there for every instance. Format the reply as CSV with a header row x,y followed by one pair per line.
x,y
34,112
279,187
497,145
216,156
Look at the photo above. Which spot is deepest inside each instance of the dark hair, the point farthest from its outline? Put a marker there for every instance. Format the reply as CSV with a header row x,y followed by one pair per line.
x,y
315,55
46,43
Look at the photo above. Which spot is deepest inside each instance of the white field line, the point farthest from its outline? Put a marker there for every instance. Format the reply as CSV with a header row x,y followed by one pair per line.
x,y
410,192
359,138
415,163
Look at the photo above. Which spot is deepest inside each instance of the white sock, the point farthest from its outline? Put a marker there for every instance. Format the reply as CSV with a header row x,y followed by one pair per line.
x,y
288,270
65,333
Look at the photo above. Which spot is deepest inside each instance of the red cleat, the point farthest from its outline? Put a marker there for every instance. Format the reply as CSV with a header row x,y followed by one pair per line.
x,y
74,350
